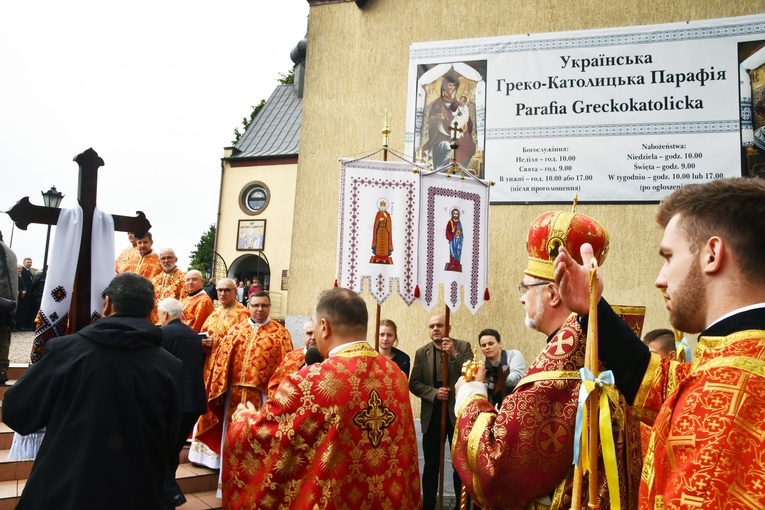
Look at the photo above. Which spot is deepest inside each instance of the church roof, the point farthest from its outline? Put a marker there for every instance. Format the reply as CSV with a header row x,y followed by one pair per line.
x,y
275,130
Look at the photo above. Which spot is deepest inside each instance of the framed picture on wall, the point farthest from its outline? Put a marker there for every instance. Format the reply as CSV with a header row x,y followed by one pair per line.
x,y
251,235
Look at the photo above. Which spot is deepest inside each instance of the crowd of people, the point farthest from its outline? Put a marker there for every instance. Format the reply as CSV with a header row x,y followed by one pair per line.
x,y
330,424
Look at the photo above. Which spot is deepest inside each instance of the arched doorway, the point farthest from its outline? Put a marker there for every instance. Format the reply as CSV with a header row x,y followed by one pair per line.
x,y
251,266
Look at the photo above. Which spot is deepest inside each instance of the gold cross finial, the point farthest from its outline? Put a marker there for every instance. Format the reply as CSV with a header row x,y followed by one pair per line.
x,y
573,206
386,127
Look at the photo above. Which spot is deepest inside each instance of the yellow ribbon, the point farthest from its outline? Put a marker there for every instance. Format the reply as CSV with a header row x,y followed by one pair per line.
x,y
589,382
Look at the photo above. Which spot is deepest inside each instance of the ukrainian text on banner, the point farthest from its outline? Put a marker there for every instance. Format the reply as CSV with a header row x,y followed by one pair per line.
x,y
377,228
454,247
613,115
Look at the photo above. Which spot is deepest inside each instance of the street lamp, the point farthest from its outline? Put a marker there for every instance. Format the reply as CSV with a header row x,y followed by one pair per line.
x,y
51,198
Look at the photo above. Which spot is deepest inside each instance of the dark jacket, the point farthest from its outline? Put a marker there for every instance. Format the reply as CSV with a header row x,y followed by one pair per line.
x,y
185,344
423,382
211,291
401,359
110,398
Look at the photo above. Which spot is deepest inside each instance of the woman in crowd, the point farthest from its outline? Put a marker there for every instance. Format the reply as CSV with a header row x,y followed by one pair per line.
x,y
503,368
388,340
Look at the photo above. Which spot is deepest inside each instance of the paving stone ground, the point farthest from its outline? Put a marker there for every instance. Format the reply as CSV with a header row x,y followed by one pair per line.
x,y
21,346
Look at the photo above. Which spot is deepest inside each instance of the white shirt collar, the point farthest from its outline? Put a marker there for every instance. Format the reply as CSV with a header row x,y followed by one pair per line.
x,y
256,325
737,311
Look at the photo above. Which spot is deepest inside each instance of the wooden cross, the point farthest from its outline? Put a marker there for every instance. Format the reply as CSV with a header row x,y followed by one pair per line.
x,y
24,213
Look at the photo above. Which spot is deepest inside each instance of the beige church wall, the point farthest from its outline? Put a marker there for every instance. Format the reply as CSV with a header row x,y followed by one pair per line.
x,y
357,66
279,216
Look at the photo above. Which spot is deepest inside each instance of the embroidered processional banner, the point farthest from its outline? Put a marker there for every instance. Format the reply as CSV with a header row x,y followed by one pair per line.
x,y
454,247
377,228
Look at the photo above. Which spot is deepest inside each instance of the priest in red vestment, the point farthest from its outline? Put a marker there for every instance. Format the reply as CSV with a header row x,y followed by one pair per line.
x,y
206,450
337,434
520,456
294,359
197,305
171,282
147,262
708,440
244,362
127,257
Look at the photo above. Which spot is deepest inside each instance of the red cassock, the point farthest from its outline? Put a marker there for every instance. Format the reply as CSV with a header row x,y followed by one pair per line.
x,y
707,448
523,453
337,435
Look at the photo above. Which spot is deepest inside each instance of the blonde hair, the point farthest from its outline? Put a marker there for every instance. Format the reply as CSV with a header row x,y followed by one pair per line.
x,y
391,325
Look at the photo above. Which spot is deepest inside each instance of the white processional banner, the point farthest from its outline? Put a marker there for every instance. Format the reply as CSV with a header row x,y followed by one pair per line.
x,y
377,227
454,242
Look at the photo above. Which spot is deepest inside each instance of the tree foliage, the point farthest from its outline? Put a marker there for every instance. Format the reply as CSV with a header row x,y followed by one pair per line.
x,y
202,256
247,121
287,79
284,79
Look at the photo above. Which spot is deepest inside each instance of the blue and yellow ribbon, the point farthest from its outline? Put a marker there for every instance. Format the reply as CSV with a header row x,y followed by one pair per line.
x,y
683,349
589,382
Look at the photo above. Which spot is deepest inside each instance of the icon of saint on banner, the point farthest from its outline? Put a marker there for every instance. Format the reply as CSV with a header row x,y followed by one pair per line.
x,y
454,235
382,235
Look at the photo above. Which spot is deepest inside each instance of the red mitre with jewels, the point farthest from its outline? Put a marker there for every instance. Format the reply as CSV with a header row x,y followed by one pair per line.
x,y
554,229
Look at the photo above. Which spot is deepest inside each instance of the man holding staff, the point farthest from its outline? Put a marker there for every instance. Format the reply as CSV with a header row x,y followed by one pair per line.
x,y
520,456
707,441
427,382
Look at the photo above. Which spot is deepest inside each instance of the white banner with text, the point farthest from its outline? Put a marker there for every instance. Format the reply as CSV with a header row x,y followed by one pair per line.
x,y
612,115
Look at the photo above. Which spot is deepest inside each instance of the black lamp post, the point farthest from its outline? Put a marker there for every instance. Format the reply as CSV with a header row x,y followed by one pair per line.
x,y
51,198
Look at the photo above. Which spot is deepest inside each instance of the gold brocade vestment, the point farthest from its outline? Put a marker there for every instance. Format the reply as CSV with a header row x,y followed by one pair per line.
x,y
290,364
512,457
242,365
168,285
196,310
707,447
145,265
337,435
127,258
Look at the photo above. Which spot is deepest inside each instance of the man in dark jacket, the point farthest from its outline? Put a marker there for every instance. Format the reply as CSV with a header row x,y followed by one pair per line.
x,y
110,399
185,344
26,304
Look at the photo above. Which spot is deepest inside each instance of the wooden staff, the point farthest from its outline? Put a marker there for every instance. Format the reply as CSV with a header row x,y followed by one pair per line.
x,y
377,329
385,132
591,363
444,417
591,355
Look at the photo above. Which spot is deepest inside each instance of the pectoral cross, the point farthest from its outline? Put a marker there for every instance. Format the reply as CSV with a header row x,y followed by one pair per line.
x,y
24,213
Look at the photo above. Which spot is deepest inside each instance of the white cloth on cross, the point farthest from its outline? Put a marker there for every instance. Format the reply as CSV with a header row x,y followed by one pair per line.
x,y
57,295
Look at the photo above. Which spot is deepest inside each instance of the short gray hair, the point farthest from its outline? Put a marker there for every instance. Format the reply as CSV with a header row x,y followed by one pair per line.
x,y
172,307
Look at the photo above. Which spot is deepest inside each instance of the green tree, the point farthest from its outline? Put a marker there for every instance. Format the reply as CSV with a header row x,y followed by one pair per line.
x,y
202,256
284,79
287,79
247,121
